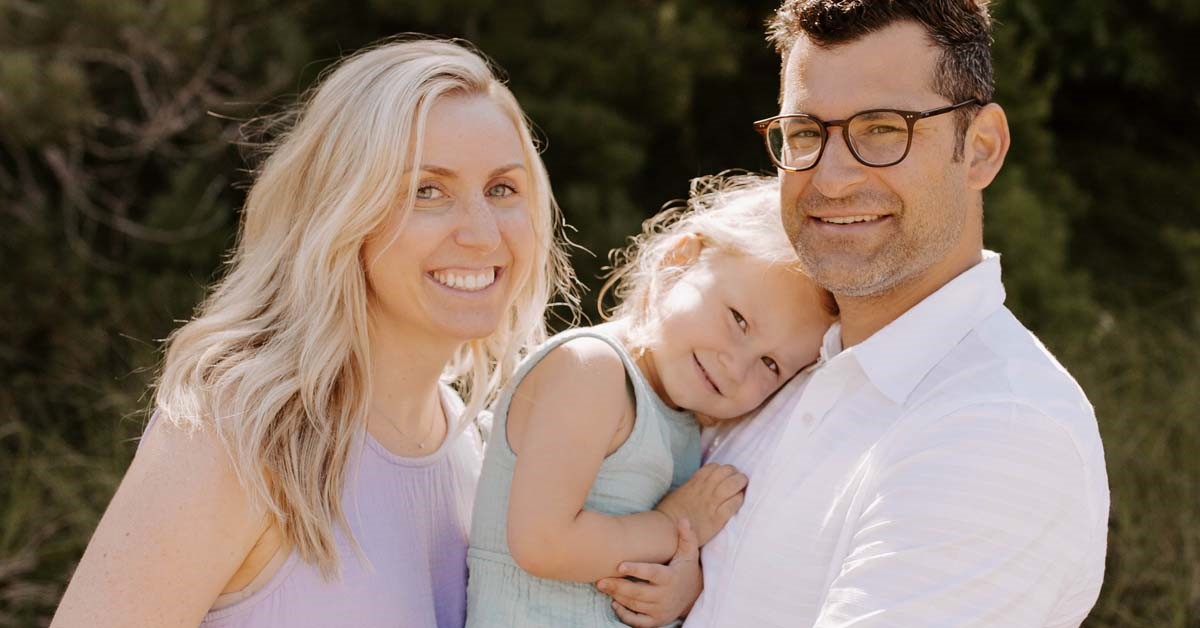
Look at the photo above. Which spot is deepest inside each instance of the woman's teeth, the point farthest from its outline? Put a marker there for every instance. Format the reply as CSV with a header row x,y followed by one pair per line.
x,y
470,282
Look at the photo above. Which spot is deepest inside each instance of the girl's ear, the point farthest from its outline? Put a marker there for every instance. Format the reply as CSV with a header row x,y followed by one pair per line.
x,y
685,250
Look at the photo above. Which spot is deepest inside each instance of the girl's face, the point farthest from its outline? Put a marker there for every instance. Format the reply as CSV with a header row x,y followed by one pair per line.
x,y
454,267
730,330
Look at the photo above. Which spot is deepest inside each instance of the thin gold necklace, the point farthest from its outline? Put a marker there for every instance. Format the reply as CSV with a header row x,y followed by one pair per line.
x,y
428,429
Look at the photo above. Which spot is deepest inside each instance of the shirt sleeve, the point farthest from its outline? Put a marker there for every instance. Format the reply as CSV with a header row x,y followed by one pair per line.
x,y
979,518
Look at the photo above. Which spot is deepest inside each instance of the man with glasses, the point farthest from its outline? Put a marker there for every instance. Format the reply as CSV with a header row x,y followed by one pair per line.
x,y
937,466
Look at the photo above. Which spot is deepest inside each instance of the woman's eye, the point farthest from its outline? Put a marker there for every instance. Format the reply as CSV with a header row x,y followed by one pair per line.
x,y
429,193
771,364
501,190
738,318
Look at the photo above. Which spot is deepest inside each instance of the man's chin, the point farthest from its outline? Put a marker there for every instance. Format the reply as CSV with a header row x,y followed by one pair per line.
x,y
851,277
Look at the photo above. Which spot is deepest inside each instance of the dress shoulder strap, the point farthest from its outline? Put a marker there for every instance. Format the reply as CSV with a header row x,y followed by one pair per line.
x,y
643,395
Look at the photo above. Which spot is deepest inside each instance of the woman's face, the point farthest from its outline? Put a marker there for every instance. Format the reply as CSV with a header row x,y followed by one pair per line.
x,y
454,267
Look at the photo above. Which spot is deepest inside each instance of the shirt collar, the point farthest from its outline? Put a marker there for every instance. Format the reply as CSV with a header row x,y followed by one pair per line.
x,y
896,358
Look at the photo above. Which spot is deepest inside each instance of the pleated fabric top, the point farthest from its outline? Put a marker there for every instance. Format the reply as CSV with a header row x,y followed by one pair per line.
x,y
410,517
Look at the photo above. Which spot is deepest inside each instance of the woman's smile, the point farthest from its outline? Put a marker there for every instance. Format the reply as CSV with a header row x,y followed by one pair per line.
x,y
465,280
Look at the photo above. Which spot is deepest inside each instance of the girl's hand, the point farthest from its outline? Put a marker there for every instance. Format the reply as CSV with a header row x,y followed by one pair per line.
x,y
708,499
668,591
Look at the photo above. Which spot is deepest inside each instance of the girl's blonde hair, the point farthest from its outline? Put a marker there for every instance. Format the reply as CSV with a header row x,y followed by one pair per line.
x,y
276,359
734,214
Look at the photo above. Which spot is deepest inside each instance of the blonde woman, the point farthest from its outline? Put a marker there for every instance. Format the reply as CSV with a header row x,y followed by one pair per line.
x,y
308,465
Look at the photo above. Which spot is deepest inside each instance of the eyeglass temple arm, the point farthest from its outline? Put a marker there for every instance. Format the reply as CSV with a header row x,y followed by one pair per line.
x,y
948,108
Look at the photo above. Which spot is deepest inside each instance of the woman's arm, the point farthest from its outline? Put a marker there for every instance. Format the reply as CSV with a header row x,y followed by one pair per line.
x,y
177,529
568,414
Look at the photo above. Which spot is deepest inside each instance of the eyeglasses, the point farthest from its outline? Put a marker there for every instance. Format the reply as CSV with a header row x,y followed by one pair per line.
x,y
877,137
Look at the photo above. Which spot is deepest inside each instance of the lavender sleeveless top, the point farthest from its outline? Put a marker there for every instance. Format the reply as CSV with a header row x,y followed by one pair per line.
x,y
411,517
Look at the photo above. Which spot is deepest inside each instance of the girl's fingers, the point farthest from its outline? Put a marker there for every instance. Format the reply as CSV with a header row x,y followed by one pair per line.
x,y
713,473
722,472
729,507
735,483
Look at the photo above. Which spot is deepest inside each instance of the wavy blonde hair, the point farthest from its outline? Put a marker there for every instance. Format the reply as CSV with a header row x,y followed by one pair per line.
x,y
276,359
733,214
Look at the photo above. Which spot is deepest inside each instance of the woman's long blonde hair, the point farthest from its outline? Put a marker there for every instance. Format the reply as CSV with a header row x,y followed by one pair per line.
x,y
731,213
276,359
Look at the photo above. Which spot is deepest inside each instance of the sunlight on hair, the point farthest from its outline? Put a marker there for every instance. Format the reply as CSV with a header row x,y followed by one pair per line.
x,y
276,360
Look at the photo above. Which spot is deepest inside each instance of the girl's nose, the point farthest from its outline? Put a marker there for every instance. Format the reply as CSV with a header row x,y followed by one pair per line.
x,y
737,362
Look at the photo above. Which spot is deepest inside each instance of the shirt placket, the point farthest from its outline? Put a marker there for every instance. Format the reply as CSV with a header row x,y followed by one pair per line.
x,y
821,393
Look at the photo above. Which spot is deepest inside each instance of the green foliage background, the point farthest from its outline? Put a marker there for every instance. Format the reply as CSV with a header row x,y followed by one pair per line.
x,y
120,183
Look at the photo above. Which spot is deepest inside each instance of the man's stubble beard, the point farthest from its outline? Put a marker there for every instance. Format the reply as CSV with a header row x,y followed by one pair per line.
x,y
910,249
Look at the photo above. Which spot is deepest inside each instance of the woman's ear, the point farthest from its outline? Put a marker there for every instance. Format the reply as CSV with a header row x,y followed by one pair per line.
x,y
685,250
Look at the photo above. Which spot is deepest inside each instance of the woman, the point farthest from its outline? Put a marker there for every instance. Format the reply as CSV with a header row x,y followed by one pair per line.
x,y
307,464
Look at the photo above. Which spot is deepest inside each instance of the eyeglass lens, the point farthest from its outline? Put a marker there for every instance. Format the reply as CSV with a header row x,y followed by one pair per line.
x,y
877,137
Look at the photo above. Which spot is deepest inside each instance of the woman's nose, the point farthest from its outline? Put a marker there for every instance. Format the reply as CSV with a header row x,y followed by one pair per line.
x,y
479,228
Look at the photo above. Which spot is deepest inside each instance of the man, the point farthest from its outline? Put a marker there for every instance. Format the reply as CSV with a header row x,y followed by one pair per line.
x,y
937,467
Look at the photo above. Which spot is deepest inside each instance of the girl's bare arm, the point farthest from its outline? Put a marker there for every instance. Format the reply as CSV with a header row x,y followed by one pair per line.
x,y
568,411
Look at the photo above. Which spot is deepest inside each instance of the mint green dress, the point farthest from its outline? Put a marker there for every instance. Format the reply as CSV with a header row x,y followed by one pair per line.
x,y
662,452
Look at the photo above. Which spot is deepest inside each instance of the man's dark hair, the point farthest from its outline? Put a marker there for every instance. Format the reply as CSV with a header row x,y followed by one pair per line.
x,y
962,29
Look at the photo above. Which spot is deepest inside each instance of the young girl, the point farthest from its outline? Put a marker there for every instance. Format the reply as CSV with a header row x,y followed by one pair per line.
x,y
600,423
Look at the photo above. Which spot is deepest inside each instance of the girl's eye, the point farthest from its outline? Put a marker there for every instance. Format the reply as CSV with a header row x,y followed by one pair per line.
x,y
739,319
771,364
429,193
501,190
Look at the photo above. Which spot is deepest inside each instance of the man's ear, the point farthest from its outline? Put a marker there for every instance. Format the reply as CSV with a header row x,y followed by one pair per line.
x,y
986,144
685,250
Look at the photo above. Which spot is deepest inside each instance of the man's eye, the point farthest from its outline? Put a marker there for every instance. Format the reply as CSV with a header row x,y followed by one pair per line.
x,y
738,318
885,129
771,364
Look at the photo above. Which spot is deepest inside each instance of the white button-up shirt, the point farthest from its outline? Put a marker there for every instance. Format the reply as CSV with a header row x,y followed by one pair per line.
x,y
947,471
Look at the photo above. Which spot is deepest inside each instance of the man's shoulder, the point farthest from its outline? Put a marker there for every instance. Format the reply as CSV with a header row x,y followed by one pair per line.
x,y
1001,372
1001,361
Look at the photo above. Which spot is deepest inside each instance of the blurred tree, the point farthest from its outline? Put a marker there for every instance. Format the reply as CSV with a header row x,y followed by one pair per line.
x,y
114,173
120,183
116,204
1125,112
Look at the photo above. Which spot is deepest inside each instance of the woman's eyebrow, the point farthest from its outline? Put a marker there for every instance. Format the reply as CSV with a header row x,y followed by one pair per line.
x,y
438,170
442,171
508,168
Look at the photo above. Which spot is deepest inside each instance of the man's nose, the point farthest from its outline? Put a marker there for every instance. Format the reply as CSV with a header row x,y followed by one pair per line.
x,y
838,172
